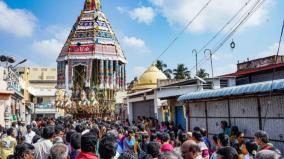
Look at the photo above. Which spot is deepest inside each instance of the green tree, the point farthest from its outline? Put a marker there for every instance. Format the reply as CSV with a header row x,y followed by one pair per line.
x,y
164,68
202,73
131,84
181,72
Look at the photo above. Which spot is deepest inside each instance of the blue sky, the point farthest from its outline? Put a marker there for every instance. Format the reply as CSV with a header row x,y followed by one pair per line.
x,y
37,29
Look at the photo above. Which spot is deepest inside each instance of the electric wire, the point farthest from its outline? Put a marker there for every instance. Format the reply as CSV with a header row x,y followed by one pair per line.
x,y
273,76
222,29
183,30
240,22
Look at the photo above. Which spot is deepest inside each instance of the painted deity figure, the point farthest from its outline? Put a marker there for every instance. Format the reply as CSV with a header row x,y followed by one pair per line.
x,y
84,102
67,102
93,103
59,99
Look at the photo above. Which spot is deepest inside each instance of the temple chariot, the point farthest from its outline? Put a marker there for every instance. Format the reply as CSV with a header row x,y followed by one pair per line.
x,y
90,66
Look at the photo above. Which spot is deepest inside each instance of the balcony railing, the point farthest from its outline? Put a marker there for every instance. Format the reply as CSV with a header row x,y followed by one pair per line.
x,y
44,106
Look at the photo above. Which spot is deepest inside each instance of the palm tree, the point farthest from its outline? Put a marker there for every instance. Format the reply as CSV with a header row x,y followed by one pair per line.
x,y
181,72
202,73
163,67
131,84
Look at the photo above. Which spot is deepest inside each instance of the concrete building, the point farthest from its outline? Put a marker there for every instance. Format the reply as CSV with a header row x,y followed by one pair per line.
x,y
39,91
171,90
251,107
143,101
259,70
11,104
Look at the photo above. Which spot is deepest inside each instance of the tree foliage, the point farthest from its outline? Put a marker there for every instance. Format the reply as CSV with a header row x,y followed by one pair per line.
x,y
202,73
181,72
164,68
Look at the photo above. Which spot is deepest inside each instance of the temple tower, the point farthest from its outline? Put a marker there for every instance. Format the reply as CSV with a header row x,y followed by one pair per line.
x,y
91,58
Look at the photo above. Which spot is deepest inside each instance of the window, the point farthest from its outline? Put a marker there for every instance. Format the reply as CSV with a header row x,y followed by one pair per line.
x,y
39,100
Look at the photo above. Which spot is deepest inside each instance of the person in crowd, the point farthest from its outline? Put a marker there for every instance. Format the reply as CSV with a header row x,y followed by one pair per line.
x,y
128,142
191,150
225,128
223,140
166,146
35,139
182,137
239,144
197,137
205,138
214,148
88,147
29,134
137,141
59,132
262,140
153,137
68,139
79,128
75,141
43,146
170,155
108,147
153,150
15,127
177,147
24,151
128,155
163,127
1,130
251,148
267,154
8,144
233,135
220,140
59,151
106,138
142,146
227,153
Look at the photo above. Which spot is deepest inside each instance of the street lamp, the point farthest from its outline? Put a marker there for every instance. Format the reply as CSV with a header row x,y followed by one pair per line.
x,y
7,59
208,51
19,63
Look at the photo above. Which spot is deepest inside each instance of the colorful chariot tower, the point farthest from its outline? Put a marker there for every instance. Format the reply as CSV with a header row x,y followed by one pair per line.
x,y
91,58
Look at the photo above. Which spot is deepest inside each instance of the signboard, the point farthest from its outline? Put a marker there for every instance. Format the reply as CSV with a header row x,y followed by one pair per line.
x,y
45,111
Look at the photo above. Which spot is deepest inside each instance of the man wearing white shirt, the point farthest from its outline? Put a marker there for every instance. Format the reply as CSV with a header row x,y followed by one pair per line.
x,y
29,135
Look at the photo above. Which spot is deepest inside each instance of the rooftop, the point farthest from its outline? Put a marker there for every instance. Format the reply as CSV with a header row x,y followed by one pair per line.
x,y
247,89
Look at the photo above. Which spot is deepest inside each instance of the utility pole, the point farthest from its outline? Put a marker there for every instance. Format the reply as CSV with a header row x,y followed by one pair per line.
x,y
195,52
210,54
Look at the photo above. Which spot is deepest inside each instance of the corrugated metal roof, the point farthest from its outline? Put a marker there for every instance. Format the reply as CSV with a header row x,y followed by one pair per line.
x,y
236,90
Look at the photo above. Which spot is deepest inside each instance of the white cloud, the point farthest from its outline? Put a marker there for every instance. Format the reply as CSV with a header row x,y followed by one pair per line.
x,y
133,44
272,50
16,21
143,15
50,47
212,18
121,10
60,33
133,41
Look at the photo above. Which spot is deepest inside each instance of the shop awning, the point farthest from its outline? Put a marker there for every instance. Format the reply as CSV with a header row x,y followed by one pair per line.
x,y
42,92
247,89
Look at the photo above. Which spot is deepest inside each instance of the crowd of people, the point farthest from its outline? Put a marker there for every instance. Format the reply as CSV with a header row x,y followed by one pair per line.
x,y
67,138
